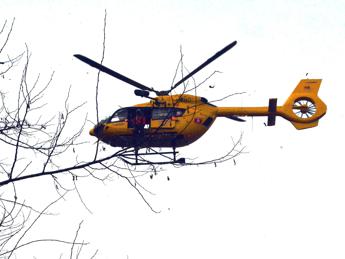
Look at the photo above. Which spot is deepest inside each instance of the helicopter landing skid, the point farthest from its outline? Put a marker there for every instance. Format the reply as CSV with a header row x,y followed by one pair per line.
x,y
133,156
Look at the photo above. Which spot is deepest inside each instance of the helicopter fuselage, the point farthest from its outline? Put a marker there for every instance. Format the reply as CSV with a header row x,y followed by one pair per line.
x,y
170,121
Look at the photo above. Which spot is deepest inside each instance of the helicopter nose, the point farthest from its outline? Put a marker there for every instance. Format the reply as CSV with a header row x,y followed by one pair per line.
x,y
97,130
92,132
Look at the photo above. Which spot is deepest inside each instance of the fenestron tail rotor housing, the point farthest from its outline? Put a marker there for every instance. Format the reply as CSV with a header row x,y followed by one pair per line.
x,y
304,108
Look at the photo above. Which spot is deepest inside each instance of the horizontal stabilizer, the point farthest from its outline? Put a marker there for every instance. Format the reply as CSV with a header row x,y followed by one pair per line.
x,y
235,118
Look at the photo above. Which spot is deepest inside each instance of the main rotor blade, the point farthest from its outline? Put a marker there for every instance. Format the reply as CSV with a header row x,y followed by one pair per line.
x,y
215,56
113,73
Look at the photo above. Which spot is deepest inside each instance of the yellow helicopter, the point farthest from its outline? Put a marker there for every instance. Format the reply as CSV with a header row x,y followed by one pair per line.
x,y
172,121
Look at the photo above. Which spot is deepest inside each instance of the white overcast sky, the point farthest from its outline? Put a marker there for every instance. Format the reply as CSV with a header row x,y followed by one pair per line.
x,y
285,198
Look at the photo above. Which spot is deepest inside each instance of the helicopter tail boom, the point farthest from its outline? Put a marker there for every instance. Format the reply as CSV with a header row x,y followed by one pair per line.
x,y
303,108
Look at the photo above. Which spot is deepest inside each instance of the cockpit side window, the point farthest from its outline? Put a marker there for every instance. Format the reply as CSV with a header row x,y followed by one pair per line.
x,y
161,114
120,115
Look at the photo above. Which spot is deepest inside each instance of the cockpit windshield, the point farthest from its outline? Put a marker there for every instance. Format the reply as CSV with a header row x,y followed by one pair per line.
x,y
119,115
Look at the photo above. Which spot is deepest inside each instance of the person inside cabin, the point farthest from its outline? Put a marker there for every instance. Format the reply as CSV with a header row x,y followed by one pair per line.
x,y
139,123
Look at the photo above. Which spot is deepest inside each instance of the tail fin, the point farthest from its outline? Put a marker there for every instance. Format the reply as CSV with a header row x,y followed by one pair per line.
x,y
304,108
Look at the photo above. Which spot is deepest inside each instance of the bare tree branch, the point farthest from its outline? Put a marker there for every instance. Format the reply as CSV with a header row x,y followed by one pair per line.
x,y
75,239
36,144
98,75
7,37
31,225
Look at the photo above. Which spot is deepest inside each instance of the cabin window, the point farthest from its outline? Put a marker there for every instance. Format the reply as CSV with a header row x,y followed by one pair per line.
x,y
161,114
120,115
166,113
